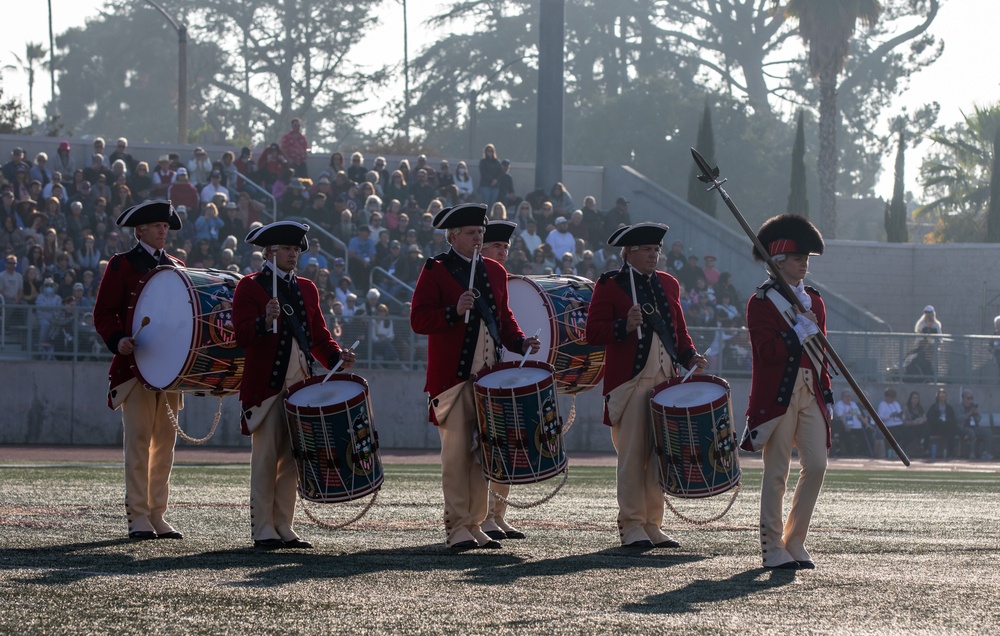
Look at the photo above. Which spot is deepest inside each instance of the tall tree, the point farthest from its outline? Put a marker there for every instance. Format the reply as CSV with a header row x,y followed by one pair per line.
x,y
34,53
827,26
993,211
52,59
11,112
798,200
895,212
698,195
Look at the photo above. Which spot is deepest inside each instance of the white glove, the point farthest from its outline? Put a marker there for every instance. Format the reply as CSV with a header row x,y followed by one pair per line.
x,y
804,328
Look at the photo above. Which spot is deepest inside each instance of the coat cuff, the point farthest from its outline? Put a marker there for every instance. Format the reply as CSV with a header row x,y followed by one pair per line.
x,y
113,341
620,330
451,314
260,326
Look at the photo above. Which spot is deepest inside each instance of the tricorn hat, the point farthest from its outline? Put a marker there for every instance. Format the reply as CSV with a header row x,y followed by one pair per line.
x,y
460,216
499,232
152,211
638,234
788,234
279,233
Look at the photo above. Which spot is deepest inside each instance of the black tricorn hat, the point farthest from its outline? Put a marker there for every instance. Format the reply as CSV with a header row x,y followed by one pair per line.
x,y
279,233
638,234
499,232
152,211
460,216
788,234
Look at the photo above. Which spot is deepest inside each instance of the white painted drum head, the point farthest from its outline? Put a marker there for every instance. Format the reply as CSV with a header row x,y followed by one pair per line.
x,y
531,311
513,378
326,394
163,346
689,394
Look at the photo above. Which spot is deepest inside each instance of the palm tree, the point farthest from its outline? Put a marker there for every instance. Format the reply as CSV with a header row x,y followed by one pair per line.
x,y
34,53
827,26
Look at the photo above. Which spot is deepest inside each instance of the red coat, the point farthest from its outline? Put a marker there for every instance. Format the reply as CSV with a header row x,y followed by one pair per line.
x,y
606,321
451,343
777,357
114,296
268,353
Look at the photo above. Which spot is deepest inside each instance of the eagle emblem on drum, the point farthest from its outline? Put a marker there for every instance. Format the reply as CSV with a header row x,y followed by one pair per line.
x,y
361,459
723,446
574,319
547,431
220,319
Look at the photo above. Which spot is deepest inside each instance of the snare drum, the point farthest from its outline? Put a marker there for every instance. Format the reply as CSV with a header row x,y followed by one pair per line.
x,y
189,344
558,304
333,438
695,440
520,433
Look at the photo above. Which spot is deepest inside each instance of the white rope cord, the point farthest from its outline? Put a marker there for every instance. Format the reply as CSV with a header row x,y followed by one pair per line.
x,y
184,436
571,418
525,506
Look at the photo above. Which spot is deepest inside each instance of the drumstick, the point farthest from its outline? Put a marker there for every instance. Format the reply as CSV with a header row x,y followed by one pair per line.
x,y
525,354
340,362
145,321
635,299
472,277
694,366
274,287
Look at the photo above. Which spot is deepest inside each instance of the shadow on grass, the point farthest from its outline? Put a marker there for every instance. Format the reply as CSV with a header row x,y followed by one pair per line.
x,y
704,593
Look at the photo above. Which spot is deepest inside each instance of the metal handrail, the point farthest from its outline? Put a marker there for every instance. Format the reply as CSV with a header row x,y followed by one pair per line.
x,y
274,201
314,226
371,283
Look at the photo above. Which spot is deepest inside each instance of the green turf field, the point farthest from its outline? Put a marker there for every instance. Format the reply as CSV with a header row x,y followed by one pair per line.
x,y
897,552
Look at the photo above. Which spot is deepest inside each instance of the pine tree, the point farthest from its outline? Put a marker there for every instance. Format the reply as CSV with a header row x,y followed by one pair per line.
x,y
895,213
798,201
698,195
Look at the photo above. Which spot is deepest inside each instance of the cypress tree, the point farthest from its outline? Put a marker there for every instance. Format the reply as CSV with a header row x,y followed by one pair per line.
x,y
895,214
993,212
698,194
798,201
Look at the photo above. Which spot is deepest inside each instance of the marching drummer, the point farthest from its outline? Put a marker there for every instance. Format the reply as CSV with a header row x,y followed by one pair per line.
x,y
789,395
636,314
452,286
277,358
149,435
496,244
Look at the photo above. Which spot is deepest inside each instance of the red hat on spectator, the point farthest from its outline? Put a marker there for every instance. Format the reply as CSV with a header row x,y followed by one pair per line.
x,y
63,145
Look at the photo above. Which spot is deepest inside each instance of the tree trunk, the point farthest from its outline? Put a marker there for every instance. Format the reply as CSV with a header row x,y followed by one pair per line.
x,y
993,212
826,163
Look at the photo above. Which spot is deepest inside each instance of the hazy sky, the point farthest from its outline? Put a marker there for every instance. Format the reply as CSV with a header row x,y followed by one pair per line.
x,y
966,73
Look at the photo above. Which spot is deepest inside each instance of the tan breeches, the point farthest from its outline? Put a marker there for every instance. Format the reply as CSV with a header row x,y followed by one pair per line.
x,y
462,480
149,456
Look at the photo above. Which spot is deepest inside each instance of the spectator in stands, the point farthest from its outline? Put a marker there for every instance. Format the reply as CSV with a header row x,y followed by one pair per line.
x,y
592,217
12,237
489,175
48,302
293,200
546,217
890,411
409,270
690,273
295,147
182,191
498,212
506,193
943,425
199,167
16,162
928,322
422,190
20,183
976,432
853,426
209,226
250,210
11,281
230,174
271,166
521,216
55,187
357,172
345,287
256,263
915,418
577,227
383,338
41,171
245,166
618,216
162,177
361,252
445,179
438,244
87,256
232,225
99,149
214,187
676,261
530,236
375,222
337,163
121,197
313,252
121,154
560,239
397,187
463,182
711,274
311,270
32,285
140,182
111,245
95,169
562,202
101,187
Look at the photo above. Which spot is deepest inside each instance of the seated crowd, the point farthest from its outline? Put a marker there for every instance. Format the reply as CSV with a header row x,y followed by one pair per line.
x,y
59,230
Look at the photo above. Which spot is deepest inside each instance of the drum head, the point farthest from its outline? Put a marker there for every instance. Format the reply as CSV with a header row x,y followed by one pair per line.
x,y
163,346
513,378
531,311
325,394
689,394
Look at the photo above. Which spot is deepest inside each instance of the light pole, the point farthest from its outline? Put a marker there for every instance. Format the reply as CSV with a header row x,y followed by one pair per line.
x,y
182,37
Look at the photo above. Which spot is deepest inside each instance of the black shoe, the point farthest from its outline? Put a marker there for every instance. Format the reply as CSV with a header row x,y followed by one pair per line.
x,y
669,543
788,565
806,565
463,546
268,544
515,534
491,545
499,535
641,544
300,544
173,534
142,535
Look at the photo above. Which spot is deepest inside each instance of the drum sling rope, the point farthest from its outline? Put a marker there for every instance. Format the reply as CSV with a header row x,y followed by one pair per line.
x,y
666,499
300,435
184,436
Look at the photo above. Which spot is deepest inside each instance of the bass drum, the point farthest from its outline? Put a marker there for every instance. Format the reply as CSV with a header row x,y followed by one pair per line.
x,y
558,305
189,344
